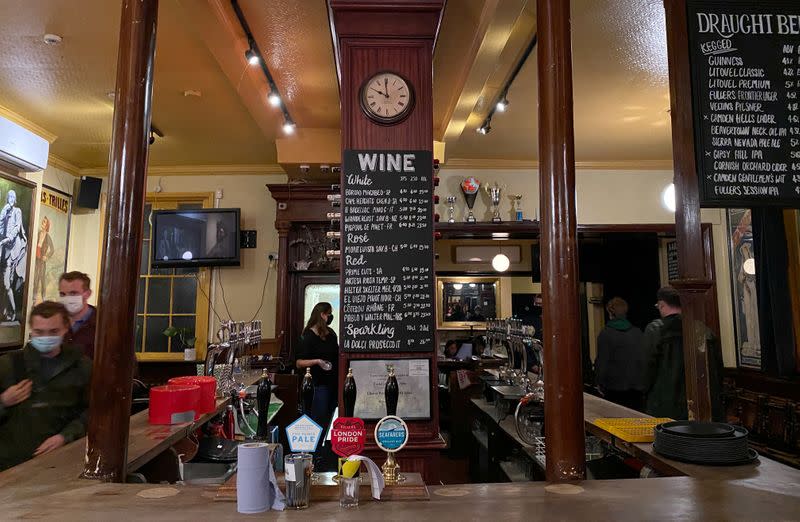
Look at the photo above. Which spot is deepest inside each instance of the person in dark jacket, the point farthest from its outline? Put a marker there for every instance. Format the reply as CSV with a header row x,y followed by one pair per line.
x,y
665,378
74,289
620,358
44,390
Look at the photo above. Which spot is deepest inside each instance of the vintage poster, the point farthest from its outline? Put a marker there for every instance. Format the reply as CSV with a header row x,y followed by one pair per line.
x,y
52,241
16,213
743,282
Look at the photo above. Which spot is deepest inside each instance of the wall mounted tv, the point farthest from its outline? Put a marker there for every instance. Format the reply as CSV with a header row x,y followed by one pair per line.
x,y
203,237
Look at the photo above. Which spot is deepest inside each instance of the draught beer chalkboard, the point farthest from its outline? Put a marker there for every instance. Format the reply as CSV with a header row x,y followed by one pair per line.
x,y
745,68
387,251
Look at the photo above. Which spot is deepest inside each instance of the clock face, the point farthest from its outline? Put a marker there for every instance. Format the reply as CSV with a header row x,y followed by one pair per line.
x,y
387,97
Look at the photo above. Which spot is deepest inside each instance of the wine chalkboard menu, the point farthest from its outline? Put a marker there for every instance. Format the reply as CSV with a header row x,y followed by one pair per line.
x,y
745,68
387,251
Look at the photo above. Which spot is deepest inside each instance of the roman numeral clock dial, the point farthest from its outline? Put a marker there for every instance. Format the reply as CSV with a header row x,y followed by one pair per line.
x,y
386,98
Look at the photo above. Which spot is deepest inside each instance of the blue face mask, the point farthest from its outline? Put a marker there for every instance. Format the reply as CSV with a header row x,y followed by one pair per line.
x,y
47,343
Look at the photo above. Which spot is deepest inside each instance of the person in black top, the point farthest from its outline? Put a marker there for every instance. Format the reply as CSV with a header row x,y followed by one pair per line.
x,y
319,350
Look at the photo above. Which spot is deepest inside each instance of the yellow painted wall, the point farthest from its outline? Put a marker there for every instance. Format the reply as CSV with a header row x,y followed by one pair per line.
x,y
242,284
603,197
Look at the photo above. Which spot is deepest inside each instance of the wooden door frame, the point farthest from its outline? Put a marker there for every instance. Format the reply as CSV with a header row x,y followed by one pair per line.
x,y
298,281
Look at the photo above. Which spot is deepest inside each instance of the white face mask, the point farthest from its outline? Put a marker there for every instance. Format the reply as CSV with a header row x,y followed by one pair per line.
x,y
73,303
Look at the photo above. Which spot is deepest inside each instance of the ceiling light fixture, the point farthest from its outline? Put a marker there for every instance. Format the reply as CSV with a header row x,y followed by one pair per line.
x,y
52,39
274,98
255,57
251,57
501,105
500,262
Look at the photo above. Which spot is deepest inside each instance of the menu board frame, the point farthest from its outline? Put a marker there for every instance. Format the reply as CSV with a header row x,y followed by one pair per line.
x,y
414,174
705,177
413,410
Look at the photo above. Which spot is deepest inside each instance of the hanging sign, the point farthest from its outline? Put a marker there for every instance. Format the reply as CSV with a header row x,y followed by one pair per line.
x,y
348,436
745,74
303,435
387,251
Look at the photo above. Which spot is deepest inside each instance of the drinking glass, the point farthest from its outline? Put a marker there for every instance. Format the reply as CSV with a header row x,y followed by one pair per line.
x,y
297,474
348,491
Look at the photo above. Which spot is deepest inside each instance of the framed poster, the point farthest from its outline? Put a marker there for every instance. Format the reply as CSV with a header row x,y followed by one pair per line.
x,y
52,243
16,214
413,379
743,283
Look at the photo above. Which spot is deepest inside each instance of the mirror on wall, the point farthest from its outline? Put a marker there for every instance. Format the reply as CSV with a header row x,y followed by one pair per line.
x,y
464,301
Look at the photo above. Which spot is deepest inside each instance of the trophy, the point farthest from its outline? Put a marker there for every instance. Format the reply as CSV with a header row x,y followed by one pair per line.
x,y
517,206
494,190
470,187
451,209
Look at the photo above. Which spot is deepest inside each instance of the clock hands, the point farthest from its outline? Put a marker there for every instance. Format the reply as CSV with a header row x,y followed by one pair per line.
x,y
379,92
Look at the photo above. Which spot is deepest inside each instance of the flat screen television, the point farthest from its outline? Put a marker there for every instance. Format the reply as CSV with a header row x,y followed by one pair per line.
x,y
203,237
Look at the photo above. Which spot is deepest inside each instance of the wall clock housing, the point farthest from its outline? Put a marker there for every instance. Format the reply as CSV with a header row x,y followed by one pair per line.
x,y
386,98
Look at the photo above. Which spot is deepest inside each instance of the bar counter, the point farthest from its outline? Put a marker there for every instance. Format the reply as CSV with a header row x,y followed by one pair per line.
x,y
49,487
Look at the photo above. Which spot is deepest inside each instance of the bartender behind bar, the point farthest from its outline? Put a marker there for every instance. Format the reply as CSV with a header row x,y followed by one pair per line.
x,y
44,395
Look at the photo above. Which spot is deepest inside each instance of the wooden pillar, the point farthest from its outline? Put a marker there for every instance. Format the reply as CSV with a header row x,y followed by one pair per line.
x,y
110,400
693,285
564,429
282,291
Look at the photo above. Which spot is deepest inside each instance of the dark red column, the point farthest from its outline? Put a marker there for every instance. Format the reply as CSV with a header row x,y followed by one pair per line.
x,y
693,285
110,401
565,447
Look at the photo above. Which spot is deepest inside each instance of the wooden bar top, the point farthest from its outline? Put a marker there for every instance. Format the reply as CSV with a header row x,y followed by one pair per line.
x,y
674,498
48,488
766,473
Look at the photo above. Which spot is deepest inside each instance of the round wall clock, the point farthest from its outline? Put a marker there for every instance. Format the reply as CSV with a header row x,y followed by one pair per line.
x,y
387,98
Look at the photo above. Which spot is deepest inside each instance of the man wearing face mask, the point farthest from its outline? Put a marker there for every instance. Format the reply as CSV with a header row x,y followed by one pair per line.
x,y
44,390
74,289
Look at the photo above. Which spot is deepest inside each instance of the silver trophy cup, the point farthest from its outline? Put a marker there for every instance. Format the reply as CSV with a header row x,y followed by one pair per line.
x,y
451,209
495,191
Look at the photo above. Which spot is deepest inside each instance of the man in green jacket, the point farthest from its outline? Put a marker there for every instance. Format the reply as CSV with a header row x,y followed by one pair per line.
x,y
665,377
44,390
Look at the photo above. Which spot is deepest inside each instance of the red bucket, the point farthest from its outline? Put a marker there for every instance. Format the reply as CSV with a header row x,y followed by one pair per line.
x,y
174,404
208,390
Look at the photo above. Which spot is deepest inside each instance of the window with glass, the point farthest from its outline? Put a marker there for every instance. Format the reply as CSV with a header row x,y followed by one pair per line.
x,y
171,297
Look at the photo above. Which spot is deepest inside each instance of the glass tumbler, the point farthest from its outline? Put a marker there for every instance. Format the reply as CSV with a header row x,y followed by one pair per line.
x,y
297,474
348,491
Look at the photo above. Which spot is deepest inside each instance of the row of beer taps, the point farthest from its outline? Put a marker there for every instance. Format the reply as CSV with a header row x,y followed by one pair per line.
x,y
516,338
235,341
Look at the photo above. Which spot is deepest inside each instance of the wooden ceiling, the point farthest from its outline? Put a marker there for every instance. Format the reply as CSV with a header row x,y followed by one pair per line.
x,y
619,52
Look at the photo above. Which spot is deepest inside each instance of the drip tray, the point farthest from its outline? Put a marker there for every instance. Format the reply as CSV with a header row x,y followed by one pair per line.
x,y
510,392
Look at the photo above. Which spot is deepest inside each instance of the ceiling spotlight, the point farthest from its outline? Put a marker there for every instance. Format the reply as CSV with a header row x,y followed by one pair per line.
x,y
274,98
502,104
251,57
52,39
151,138
288,127
486,128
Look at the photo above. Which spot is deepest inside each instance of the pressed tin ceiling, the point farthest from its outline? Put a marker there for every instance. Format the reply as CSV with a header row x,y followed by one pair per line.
x,y
619,54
